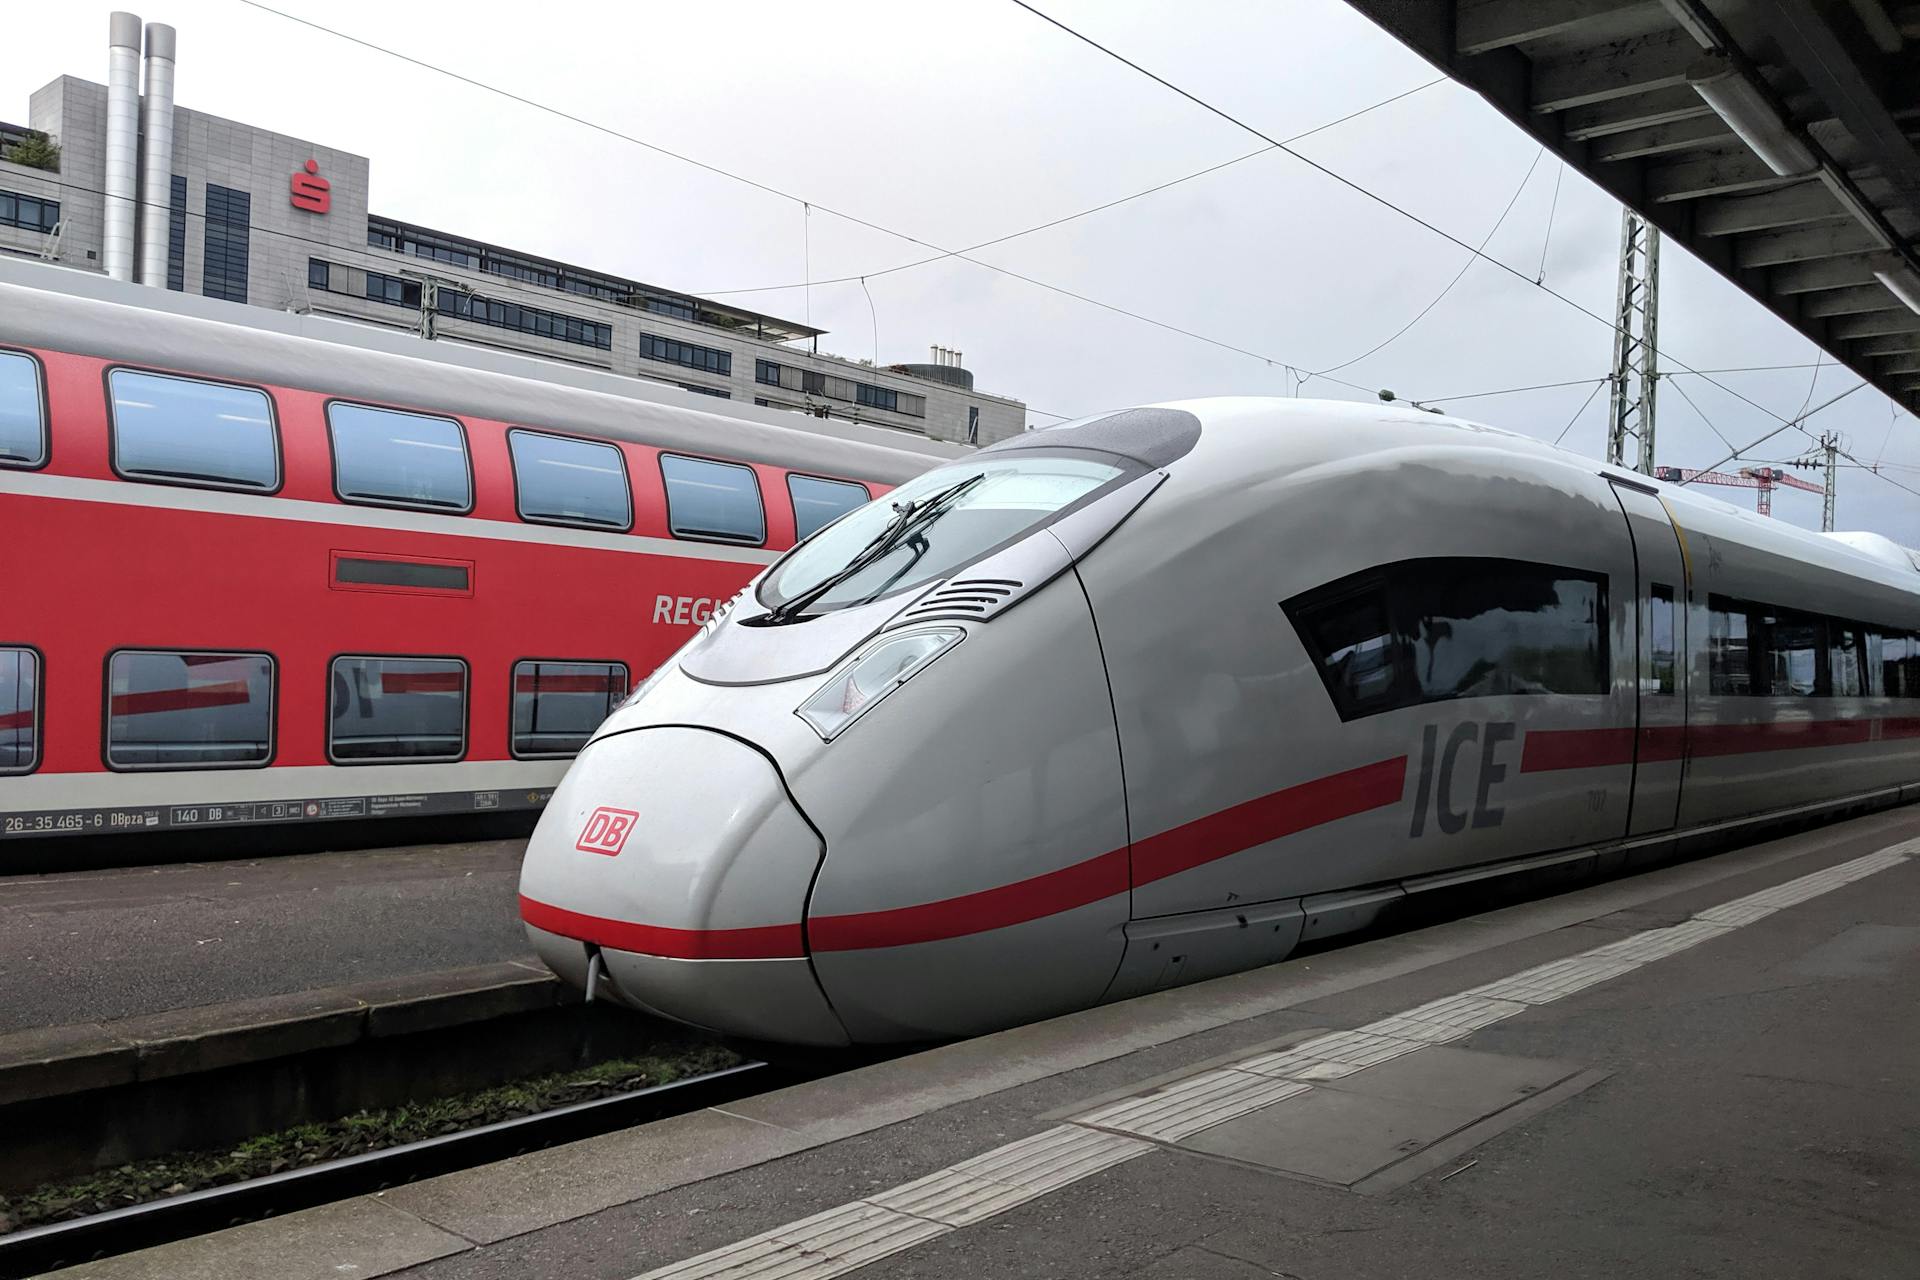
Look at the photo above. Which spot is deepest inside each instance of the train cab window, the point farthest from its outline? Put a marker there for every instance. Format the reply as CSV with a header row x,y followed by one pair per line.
x,y
391,458
186,710
185,431
818,503
1791,652
567,481
1661,653
558,705
1729,655
1846,659
19,709
411,709
713,501
23,412
1436,629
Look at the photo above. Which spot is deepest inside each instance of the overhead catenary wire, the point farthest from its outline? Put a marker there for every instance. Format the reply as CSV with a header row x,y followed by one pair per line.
x,y
1784,426
1375,197
1582,409
1509,391
1540,276
1681,387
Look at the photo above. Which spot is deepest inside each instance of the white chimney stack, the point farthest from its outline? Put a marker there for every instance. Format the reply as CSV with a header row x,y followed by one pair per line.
x,y
156,160
123,144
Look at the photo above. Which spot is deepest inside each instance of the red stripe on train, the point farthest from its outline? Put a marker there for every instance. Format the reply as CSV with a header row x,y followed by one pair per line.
x,y
422,681
1551,749
760,942
563,684
16,720
1048,894
197,697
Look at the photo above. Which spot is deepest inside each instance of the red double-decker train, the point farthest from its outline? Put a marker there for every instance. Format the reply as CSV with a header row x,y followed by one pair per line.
x,y
277,569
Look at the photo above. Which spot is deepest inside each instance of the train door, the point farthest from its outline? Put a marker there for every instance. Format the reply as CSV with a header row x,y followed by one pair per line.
x,y
1660,666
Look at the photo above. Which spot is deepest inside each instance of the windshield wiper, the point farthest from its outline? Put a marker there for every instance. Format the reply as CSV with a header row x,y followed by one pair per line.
x,y
907,519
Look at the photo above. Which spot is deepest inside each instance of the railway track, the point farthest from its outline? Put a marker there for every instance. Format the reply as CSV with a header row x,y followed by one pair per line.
x,y
42,1248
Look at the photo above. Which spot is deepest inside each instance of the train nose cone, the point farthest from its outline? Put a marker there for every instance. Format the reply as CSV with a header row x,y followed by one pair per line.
x,y
678,854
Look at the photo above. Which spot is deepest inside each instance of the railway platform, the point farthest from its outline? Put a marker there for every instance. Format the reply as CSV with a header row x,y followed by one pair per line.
x,y
1701,1070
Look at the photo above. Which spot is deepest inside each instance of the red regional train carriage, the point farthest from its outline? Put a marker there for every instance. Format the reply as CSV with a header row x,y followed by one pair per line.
x,y
274,569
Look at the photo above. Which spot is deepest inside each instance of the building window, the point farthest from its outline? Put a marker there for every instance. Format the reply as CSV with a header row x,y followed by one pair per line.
x,y
401,459
184,431
229,215
766,372
319,274
675,307
411,709
1438,629
23,411
558,705
713,501
569,481
29,213
689,354
818,503
877,397
19,710
177,235
174,710
529,320
392,290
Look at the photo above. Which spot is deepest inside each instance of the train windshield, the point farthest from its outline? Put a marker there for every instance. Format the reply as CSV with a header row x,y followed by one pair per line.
x,y
927,528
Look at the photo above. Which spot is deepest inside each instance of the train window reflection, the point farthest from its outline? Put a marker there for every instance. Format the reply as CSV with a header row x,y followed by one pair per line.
x,y
569,481
19,710
23,422
1844,659
402,459
818,503
412,709
183,431
714,501
558,705
1437,629
1660,640
1792,654
173,710
1729,661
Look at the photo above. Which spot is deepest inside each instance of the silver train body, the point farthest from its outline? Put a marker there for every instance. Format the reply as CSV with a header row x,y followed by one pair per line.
x,y
1250,673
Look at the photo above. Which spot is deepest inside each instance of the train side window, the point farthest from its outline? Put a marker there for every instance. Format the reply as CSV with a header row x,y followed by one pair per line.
x,y
1792,643
1846,665
189,710
1660,639
713,501
558,705
391,458
1908,666
567,481
1437,629
409,709
818,503
23,411
1729,655
184,431
19,709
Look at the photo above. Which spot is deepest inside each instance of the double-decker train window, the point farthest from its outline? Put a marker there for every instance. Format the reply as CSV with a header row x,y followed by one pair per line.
x,y
392,458
558,705
818,503
185,431
713,501
1432,630
23,412
169,709
568,481
406,709
19,709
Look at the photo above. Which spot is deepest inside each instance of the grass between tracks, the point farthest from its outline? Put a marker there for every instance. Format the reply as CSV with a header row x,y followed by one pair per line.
x,y
306,1144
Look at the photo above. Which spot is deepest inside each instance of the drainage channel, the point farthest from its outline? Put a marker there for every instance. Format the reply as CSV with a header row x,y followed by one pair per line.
x,y
42,1248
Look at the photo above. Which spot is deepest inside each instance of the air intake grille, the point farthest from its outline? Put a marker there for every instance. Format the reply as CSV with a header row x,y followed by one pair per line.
x,y
976,598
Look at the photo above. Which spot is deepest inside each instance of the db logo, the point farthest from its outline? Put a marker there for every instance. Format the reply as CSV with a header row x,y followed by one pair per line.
x,y
310,191
606,830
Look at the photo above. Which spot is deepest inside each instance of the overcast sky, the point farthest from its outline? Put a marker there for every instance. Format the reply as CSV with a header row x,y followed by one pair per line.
x,y
959,122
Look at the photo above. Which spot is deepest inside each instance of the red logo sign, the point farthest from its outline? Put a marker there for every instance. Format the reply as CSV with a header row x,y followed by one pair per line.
x,y
310,191
606,831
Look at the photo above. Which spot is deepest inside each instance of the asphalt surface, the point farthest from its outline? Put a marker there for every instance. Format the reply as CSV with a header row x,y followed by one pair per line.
x,y
97,945
1755,1115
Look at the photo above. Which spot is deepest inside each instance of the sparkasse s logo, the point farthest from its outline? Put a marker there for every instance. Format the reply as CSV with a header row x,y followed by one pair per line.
x,y
308,190
606,831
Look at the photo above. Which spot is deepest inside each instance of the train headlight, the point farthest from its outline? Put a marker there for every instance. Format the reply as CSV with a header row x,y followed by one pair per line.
x,y
859,684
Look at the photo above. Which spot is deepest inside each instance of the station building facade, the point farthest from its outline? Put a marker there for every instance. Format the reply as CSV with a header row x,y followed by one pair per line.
x,y
258,217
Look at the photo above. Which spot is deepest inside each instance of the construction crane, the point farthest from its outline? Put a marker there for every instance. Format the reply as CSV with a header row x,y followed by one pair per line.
x,y
1761,479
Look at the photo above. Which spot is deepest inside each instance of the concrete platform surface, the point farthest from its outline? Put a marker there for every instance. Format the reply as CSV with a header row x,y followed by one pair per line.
x,y
1706,1070
96,946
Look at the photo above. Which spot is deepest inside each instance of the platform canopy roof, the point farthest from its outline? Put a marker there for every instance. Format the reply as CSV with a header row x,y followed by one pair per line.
x,y
1773,138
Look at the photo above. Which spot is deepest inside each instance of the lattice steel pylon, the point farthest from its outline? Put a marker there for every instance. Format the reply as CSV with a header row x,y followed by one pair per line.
x,y
1636,319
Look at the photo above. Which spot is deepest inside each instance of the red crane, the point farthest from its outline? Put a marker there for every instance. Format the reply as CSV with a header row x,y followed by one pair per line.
x,y
1762,479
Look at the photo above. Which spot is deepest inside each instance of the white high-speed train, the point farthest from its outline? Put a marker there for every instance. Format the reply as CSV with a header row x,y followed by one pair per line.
x,y
1162,694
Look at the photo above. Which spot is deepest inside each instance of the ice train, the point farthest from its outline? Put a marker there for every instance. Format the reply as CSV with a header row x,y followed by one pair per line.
x,y
1164,693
